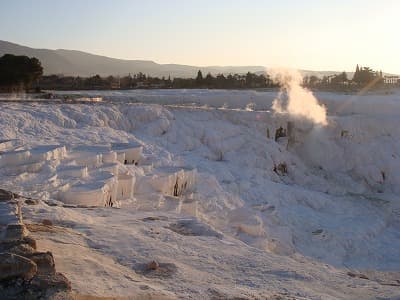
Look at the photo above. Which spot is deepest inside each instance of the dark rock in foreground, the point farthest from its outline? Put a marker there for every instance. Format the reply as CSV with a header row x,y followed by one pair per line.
x,y
24,272
16,266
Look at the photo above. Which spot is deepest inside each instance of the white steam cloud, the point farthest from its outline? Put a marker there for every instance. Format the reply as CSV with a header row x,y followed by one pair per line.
x,y
295,100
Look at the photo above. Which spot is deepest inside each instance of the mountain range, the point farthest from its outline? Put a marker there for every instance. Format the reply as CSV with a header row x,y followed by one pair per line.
x,y
78,63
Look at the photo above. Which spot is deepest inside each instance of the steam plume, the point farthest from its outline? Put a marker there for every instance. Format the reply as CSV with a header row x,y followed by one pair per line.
x,y
294,99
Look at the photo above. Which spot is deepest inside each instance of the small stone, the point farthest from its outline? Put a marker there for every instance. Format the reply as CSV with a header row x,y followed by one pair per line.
x,y
318,231
22,249
44,261
55,281
16,266
156,270
30,241
47,222
62,295
152,218
144,287
16,232
153,265
362,276
281,169
31,202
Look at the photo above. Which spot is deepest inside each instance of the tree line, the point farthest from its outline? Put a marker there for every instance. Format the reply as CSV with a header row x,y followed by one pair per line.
x,y
140,80
24,73
363,77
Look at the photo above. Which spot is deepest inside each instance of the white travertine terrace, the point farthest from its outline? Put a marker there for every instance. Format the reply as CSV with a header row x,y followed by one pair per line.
x,y
173,181
90,194
133,152
74,171
96,175
126,183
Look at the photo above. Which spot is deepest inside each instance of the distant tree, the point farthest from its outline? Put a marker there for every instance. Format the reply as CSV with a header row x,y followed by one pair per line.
x,y
230,81
366,76
313,80
127,82
141,77
110,79
339,78
325,80
18,72
306,80
357,75
199,78
261,80
268,81
220,81
209,80
342,77
249,79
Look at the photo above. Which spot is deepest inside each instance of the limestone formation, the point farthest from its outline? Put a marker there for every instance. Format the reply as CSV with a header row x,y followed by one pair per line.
x,y
16,266
15,232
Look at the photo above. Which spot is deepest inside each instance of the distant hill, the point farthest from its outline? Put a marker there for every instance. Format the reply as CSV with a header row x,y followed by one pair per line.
x,y
72,62
78,63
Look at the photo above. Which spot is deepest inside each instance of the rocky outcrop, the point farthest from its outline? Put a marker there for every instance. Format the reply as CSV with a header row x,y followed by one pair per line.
x,y
24,272
44,262
15,232
7,196
45,282
16,266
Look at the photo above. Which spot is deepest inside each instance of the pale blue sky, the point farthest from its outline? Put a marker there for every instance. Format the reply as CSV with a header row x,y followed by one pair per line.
x,y
314,34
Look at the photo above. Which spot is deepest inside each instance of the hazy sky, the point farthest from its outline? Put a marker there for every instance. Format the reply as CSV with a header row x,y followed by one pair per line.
x,y
320,35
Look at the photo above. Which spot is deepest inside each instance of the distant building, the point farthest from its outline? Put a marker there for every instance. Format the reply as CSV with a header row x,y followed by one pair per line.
x,y
392,79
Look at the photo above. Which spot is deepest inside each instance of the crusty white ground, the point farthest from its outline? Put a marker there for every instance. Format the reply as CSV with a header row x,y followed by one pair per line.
x,y
255,233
